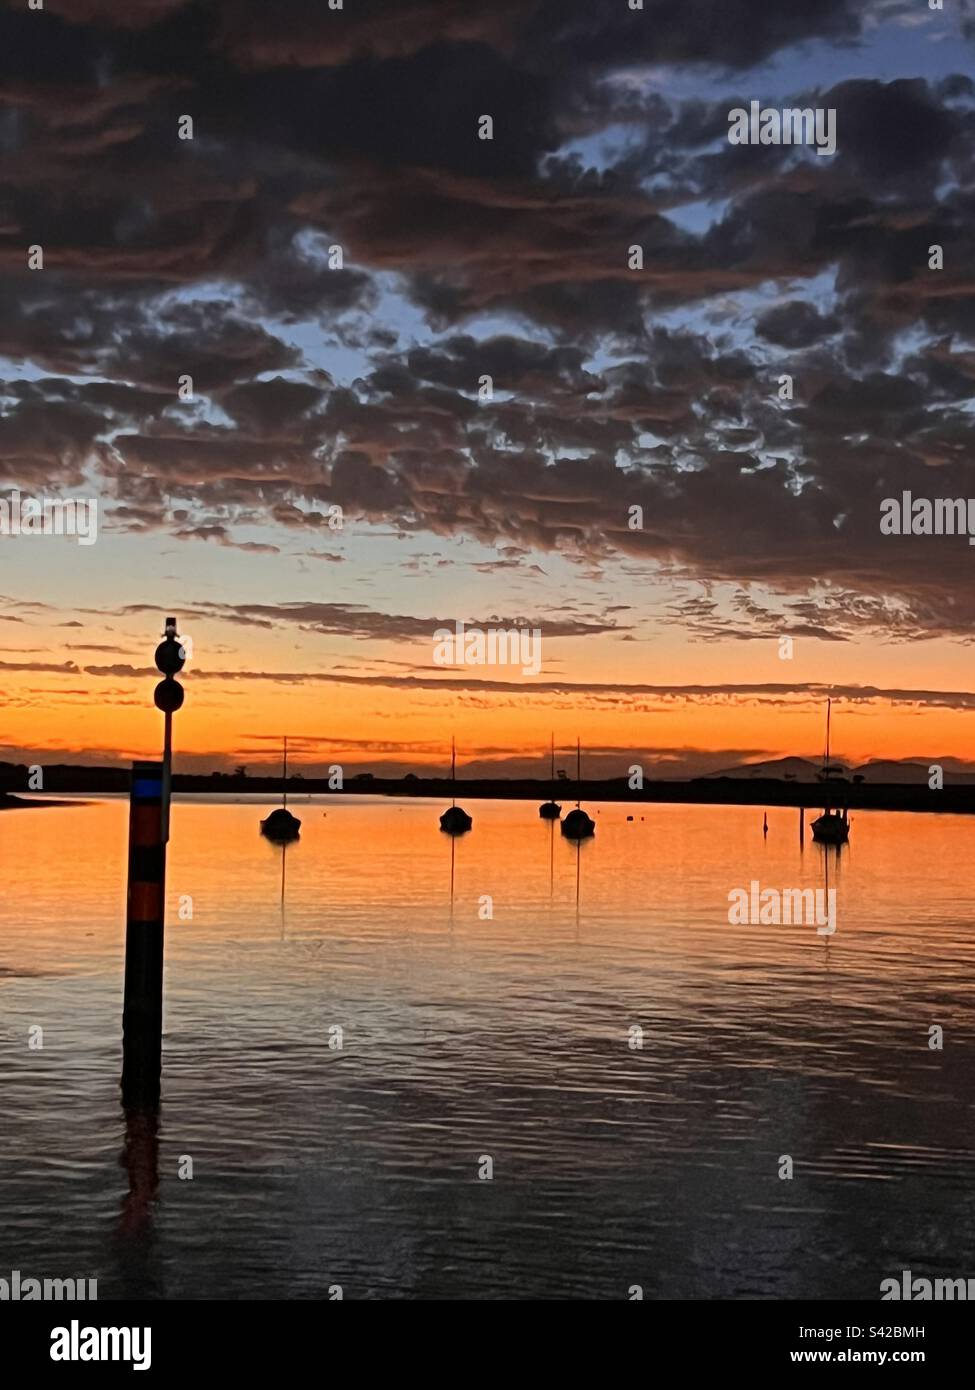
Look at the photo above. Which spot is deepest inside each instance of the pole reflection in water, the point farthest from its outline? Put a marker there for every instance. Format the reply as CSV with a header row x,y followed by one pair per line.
x,y
578,880
551,860
140,1270
284,866
140,1159
836,852
453,854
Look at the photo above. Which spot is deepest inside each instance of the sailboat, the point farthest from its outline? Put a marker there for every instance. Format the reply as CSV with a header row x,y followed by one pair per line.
x,y
551,810
455,820
281,825
577,825
832,827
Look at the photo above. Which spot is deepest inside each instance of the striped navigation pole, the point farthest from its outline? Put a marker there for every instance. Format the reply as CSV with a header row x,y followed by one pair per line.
x,y
145,915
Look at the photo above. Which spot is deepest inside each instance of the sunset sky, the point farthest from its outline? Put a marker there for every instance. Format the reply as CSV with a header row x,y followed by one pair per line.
x,y
613,388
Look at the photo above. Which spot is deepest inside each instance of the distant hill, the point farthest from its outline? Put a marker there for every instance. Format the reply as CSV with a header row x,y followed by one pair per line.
x,y
780,769
878,771
911,773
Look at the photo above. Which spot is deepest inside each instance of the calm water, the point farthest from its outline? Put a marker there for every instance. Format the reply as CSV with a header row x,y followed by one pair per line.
x,y
509,1037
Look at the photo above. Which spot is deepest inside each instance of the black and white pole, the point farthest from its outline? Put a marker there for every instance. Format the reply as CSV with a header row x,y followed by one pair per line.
x,y
142,1012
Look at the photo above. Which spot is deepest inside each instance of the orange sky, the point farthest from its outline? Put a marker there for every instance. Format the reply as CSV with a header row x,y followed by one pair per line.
x,y
103,712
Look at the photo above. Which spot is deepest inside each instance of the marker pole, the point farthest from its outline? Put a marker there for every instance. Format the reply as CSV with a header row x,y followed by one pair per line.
x,y
149,803
142,1007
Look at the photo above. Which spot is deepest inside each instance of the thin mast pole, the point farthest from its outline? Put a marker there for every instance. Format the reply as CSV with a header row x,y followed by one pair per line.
x,y
286,769
829,805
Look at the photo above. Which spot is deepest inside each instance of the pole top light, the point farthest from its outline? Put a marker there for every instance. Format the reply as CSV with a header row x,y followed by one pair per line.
x,y
170,660
170,656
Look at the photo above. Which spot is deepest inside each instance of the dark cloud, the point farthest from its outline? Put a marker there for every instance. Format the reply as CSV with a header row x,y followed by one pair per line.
x,y
514,365
796,324
46,443
219,534
893,129
355,620
273,407
357,128
134,14
762,692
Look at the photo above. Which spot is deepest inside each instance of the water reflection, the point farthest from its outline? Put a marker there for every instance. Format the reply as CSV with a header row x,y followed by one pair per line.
x,y
508,1036
140,1159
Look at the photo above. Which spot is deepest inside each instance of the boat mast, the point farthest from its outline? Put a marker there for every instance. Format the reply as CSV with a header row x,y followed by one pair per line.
x,y
578,773
285,774
828,806
453,771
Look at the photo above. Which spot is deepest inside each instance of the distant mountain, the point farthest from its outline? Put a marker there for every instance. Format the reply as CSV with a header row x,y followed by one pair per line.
x,y
877,771
911,773
781,769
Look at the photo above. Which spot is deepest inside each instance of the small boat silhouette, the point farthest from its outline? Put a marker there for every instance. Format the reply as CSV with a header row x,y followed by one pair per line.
x,y
551,810
281,825
455,820
832,827
577,825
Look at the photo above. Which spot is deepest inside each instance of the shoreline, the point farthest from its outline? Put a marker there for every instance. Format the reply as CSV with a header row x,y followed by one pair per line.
x,y
16,803
766,793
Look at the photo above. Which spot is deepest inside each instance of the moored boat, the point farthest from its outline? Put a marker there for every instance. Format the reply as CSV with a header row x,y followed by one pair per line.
x,y
455,820
833,826
577,824
281,825
551,810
